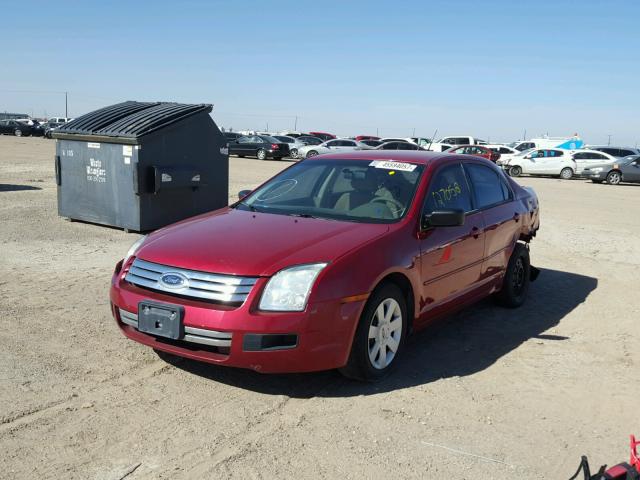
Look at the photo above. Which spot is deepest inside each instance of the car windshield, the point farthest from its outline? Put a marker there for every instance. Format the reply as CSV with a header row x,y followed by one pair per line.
x,y
379,191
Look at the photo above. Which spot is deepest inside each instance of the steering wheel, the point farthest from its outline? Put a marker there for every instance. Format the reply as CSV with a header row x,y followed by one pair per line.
x,y
386,200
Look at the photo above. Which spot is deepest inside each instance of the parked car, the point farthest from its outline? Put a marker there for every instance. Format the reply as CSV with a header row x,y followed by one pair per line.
x,y
337,145
371,143
624,170
38,129
420,141
554,162
506,153
452,141
294,144
480,151
357,251
584,158
620,152
360,138
323,135
50,127
566,143
13,127
393,139
398,145
259,146
309,140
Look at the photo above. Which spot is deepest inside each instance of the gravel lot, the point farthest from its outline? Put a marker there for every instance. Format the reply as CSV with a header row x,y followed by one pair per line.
x,y
492,393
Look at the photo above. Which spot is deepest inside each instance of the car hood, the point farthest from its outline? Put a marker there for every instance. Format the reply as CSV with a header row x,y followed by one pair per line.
x,y
239,242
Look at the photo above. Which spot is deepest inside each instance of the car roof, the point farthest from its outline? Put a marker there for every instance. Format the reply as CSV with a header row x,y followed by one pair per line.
x,y
419,157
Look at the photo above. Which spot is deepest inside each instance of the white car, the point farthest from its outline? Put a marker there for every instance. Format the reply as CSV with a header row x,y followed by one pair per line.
x,y
506,153
446,143
552,161
585,158
331,146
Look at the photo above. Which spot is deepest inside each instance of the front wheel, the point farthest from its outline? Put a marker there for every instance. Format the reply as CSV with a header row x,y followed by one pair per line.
x,y
380,336
262,154
312,153
515,284
614,178
515,171
566,173
293,153
17,132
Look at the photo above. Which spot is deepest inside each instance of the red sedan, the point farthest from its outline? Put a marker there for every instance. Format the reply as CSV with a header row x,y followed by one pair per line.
x,y
477,150
331,263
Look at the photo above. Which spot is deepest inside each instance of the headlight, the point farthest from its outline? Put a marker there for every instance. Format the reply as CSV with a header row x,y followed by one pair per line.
x,y
596,170
134,248
288,290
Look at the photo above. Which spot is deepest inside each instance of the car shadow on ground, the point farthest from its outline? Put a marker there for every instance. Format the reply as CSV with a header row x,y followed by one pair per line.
x,y
6,187
463,344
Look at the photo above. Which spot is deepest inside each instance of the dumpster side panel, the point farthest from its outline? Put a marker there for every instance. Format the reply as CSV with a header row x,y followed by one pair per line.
x,y
186,167
95,183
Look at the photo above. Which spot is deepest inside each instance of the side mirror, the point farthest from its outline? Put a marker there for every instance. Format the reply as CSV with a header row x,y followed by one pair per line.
x,y
443,218
243,193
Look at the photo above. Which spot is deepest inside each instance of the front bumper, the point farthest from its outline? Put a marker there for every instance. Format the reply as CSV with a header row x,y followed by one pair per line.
x,y
269,342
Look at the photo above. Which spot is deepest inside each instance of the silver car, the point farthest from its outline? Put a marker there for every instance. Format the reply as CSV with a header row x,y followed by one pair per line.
x,y
294,144
625,170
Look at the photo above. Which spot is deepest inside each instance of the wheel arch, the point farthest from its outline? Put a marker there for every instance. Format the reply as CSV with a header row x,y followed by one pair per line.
x,y
404,284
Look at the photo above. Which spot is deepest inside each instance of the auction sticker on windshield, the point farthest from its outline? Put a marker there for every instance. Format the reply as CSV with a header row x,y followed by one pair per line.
x,y
389,165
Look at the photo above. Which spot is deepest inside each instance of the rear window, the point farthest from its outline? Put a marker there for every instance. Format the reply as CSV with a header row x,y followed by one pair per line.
x,y
488,186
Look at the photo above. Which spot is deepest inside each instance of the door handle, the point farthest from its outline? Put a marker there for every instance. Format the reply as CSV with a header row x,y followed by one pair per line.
x,y
475,231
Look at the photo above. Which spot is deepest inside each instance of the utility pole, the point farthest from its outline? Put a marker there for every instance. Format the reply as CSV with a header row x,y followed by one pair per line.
x,y
295,125
609,141
66,105
524,134
414,132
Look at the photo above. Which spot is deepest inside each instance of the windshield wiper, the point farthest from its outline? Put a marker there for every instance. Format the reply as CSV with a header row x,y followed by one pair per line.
x,y
301,215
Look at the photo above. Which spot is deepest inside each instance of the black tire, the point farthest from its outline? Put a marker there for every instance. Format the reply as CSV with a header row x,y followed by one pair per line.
x,y
515,171
515,285
17,132
293,153
360,366
566,173
261,154
311,153
614,177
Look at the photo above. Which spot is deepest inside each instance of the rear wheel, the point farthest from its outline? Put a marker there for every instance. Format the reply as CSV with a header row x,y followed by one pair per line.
x,y
614,178
312,153
262,154
566,173
293,153
17,132
515,284
515,171
380,336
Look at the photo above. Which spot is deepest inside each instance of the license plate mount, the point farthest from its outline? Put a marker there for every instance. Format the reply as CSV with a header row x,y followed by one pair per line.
x,y
161,319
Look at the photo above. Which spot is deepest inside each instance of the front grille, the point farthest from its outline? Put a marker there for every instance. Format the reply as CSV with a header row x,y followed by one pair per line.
x,y
202,336
199,285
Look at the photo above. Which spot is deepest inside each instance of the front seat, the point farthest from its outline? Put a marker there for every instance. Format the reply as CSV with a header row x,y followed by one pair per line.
x,y
365,186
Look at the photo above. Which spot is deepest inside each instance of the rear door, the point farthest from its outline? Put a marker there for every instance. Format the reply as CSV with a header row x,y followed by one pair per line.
x,y
450,257
631,173
494,198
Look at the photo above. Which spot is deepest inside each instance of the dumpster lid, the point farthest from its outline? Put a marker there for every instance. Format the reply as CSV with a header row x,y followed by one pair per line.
x,y
131,119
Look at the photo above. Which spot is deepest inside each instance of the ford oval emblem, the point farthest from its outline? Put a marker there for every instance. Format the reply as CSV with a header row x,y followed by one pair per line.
x,y
174,280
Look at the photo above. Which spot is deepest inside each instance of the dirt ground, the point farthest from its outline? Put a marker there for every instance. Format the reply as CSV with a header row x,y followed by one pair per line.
x,y
490,394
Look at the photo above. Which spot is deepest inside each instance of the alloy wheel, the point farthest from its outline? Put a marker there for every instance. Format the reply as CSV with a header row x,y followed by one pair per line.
x,y
385,332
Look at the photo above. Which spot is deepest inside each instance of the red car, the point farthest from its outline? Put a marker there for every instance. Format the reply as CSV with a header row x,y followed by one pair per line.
x,y
331,263
477,150
324,136
359,138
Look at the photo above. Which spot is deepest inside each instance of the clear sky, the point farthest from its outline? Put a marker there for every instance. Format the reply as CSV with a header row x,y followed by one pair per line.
x,y
490,69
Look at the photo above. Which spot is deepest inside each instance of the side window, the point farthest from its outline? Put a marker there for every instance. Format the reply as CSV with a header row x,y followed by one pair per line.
x,y
448,190
625,153
389,146
348,143
578,156
599,156
244,140
488,186
334,143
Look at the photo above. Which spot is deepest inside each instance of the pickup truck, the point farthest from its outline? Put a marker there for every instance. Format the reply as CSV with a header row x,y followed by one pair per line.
x,y
332,263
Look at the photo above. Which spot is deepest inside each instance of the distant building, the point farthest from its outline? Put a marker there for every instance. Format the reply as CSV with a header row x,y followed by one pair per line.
x,y
7,116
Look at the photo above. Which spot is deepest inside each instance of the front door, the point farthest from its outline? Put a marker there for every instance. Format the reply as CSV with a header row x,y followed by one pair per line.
x,y
450,257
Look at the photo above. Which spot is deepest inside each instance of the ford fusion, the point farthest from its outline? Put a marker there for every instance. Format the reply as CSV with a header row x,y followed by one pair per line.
x,y
331,264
